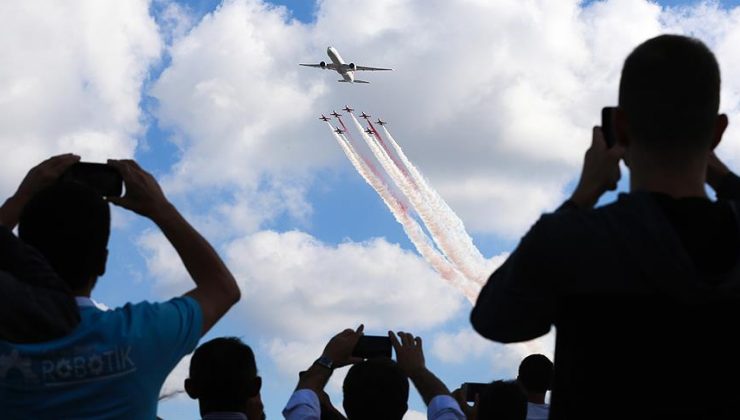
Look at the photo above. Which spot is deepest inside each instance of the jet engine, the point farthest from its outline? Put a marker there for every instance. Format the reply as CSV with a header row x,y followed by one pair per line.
x,y
322,65
352,66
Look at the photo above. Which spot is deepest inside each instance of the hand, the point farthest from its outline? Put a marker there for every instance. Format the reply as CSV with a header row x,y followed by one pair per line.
x,y
600,171
339,348
471,413
143,194
409,352
39,177
716,170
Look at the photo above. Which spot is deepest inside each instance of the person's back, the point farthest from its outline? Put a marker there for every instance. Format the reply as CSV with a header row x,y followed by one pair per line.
x,y
113,364
643,291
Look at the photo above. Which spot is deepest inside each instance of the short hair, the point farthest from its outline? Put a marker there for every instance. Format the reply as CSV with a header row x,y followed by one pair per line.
x,y
502,400
69,224
669,91
376,389
223,373
535,373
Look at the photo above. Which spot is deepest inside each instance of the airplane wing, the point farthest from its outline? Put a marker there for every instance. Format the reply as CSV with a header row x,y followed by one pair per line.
x,y
363,68
329,66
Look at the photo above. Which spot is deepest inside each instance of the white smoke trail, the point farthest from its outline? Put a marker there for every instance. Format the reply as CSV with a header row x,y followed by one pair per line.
x,y
414,232
453,224
446,239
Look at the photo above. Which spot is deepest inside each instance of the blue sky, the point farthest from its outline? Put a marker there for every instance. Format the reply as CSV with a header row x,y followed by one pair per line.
x,y
492,102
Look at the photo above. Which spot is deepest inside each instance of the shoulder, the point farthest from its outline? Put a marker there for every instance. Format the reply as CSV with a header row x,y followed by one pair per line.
x,y
147,314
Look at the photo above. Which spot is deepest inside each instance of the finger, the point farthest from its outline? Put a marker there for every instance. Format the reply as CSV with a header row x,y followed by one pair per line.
x,y
417,340
394,340
598,141
360,329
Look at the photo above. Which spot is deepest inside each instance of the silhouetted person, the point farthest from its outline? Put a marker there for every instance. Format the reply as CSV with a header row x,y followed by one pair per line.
x,y
223,378
644,292
535,377
374,388
35,304
502,400
114,363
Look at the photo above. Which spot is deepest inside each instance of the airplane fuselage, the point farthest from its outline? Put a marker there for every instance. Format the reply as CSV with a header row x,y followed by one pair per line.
x,y
344,69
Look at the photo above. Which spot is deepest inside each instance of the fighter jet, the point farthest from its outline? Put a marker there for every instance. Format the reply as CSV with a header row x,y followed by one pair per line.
x,y
347,71
324,118
369,131
381,123
348,109
335,114
365,116
339,130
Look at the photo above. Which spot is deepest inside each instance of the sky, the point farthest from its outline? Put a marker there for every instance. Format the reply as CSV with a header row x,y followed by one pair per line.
x,y
492,101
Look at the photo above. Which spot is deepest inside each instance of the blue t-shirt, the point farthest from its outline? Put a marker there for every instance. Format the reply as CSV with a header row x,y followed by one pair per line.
x,y
111,366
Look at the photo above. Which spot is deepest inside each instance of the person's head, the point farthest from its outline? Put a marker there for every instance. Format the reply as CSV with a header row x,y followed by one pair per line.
x,y
669,100
376,389
502,400
535,374
223,376
70,225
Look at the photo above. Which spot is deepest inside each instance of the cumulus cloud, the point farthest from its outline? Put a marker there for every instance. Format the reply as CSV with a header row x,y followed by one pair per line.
x,y
493,100
71,80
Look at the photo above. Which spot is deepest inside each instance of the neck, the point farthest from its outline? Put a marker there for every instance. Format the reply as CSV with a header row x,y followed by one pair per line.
x,y
678,182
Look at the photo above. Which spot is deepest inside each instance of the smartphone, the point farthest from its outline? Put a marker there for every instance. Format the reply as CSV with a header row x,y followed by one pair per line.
x,y
608,125
471,389
102,178
373,346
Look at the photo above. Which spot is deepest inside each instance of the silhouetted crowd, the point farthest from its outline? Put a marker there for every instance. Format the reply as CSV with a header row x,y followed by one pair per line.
x,y
644,292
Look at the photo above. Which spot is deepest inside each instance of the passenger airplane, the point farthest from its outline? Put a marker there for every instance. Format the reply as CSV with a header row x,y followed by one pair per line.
x,y
347,71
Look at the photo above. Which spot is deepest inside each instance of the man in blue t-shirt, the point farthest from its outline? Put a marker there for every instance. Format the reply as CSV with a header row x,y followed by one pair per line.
x,y
114,363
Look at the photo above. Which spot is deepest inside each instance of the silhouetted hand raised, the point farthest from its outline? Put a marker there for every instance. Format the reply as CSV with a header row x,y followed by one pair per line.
x,y
339,348
143,194
600,171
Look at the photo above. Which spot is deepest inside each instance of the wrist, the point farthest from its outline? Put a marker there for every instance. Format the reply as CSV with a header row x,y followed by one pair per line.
x,y
585,198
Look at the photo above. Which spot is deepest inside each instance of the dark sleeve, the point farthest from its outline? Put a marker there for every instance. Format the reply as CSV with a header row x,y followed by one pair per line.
x,y
518,301
729,187
35,304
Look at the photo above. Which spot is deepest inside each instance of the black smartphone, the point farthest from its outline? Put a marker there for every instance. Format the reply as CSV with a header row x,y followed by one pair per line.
x,y
471,389
608,125
373,346
102,178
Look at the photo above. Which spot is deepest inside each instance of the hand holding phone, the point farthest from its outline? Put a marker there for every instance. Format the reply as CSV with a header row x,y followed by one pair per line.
x,y
102,178
608,125
373,346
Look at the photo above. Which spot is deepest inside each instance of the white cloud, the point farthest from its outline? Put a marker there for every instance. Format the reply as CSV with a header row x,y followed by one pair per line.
x,y
70,80
466,346
493,100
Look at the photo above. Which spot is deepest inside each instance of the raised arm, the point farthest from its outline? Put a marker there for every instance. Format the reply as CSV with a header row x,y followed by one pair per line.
x,y
215,288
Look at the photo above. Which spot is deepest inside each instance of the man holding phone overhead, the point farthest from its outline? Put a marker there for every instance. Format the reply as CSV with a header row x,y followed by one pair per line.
x,y
644,292
114,363
376,387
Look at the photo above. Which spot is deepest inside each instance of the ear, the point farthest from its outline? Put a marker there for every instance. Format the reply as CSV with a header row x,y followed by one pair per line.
x,y
101,262
719,129
254,390
191,389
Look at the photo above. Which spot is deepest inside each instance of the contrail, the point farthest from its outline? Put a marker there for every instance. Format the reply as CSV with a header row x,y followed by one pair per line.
x,y
446,239
453,224
410,226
